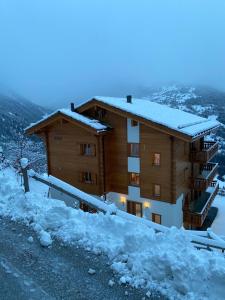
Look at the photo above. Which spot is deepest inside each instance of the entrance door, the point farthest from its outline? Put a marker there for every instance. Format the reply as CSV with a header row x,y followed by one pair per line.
x,y
134,208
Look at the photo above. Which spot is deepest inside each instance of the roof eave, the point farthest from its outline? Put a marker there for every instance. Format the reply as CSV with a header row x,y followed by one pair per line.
x,y
57,115
145,121
189,138
205,132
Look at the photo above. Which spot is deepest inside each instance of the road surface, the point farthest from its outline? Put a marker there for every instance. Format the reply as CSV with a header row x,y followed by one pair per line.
x,y
29,271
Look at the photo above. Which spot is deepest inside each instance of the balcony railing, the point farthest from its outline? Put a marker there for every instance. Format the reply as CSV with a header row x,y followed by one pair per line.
x,y
206,153
203,180
199,208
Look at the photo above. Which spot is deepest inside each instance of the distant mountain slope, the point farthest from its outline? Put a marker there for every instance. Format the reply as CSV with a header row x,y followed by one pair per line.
x,y
203,101
15,114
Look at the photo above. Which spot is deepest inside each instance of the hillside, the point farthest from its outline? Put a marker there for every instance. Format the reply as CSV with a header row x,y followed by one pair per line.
x,y
15,114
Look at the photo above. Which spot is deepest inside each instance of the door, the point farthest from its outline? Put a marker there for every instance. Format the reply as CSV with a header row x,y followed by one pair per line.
x,y
134,208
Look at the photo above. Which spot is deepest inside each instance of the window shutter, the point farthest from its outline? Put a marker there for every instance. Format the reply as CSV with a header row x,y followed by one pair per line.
x,y
93,149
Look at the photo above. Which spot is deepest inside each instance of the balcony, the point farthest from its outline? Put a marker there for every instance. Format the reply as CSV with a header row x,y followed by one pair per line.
x,y
206,153
203,180
198,209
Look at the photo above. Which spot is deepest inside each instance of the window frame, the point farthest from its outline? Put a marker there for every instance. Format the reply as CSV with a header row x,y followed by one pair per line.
x,y
132,207
154,215
153,163
130,153
131,183
154,186
92,150
93,177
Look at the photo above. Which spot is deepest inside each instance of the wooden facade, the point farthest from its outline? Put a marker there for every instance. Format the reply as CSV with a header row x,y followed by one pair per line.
x,y
155,142
180,160
65,160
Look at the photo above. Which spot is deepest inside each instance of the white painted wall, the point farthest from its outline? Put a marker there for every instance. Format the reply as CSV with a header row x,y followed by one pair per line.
x,y
171,214
134,164
133,133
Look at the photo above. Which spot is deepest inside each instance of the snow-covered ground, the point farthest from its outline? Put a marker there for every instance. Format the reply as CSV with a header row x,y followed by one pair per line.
x,y
167,262
218,225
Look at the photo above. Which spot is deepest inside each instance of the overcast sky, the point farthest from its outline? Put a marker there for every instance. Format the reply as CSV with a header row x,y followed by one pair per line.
x,y
52,51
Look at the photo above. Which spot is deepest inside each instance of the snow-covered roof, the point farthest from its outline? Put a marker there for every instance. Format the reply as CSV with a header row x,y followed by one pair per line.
x,y
95,124
172,118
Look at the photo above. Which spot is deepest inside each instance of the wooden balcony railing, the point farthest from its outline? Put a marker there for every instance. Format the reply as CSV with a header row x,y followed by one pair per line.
x,y
196,213
203,180
206,153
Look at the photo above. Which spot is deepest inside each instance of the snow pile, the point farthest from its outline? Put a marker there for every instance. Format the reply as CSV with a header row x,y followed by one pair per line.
x,y
166,262
24,163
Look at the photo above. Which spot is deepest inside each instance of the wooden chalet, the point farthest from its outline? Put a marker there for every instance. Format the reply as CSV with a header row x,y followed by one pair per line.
x,y
149,159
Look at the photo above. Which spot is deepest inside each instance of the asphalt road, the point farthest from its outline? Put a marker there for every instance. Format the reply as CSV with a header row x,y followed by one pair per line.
x,y
29,271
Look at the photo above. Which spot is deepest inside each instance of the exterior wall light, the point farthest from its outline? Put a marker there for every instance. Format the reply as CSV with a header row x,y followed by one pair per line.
x,y
147,204
122,199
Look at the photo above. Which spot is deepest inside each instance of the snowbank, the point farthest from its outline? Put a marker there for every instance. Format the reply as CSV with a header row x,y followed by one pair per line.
x,y
167,262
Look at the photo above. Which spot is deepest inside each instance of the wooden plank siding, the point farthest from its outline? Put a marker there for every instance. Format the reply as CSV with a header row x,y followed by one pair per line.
x,y
183,167
65,159
116,164
115,150
151,142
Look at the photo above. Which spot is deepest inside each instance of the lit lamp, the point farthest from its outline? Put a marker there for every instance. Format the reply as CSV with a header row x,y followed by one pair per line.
x,y
122,199
147,204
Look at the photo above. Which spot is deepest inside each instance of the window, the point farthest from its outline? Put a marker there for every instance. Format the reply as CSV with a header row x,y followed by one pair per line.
x,y
157,190
156,159
134,123
100,113
134,208
156,218
134,179
133,150
88,177
87,149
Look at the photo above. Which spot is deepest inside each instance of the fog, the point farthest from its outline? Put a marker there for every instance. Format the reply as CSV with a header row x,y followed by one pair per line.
x,y
54,51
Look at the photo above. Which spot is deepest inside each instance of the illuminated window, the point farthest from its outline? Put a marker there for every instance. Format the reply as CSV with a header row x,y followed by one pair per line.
x,y
87,149
156,218
134,179
156,159
157,190
134,123
133,150
134,208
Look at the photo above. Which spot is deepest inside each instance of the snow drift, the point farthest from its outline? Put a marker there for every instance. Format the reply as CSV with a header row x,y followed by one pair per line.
x,y
166,262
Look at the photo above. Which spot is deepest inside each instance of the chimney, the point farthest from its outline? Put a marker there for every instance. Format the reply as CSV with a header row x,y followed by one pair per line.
x,y
129,99
72,107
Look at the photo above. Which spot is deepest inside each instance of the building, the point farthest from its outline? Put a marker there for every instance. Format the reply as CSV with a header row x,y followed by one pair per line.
x,y
149,159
